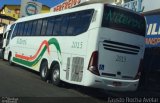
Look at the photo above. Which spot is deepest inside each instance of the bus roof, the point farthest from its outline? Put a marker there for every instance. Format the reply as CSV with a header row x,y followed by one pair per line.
x,y
77,8
39,16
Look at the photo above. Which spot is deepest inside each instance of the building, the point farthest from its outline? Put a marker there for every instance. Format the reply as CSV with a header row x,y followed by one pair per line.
x,y
151,10
4,20
72,3
10,13
14,10
11,10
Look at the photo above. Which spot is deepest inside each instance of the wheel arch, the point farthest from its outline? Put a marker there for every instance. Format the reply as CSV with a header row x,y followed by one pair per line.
x,y
54,63
9,54
43,60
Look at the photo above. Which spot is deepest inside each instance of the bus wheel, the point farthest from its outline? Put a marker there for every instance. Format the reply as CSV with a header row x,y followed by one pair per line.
x,y
44,71
10,60
55,75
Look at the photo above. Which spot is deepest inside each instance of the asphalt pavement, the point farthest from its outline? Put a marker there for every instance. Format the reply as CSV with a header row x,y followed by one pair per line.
x,y
20,82
17,81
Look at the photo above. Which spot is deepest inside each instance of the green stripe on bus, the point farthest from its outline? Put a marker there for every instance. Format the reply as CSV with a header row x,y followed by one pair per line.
x,y
30,64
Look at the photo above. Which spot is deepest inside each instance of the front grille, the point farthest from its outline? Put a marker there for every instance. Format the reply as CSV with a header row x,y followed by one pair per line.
x,y
120,47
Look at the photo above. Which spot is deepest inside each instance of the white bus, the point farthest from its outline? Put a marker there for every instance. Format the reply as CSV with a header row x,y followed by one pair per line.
x,y
6,37
96,45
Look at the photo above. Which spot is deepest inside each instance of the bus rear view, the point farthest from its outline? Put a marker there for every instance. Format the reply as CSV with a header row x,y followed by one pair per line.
x,y
120,49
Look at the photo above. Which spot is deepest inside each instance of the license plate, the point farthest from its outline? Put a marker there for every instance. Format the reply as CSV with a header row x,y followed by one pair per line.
x,y
117,84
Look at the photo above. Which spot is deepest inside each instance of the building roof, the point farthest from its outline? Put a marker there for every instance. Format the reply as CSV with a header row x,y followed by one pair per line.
x,y
7,5
18,5
2,16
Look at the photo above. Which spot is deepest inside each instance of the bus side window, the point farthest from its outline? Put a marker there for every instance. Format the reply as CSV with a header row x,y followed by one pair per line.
x,y
50,26
39,27
15,30
34,26
57,27
25,29
20,33
44,27
72,23
10,31
29,28
77,24
64,24
85,21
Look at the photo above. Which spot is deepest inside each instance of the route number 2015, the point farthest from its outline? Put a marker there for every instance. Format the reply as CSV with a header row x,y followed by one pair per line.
x,y
121,58
77,45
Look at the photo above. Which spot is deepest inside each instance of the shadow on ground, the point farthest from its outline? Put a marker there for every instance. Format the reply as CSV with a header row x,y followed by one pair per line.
x,y
103,94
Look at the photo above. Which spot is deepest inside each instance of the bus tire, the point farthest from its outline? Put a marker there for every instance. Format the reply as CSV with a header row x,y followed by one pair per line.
x,y
10,60
55,75
44,71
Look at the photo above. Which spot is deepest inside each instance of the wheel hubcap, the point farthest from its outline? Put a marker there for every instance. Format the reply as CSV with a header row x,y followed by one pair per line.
x,y
44,71
55,75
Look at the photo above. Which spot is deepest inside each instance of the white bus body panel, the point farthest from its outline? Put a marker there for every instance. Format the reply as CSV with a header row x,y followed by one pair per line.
x,y
114,62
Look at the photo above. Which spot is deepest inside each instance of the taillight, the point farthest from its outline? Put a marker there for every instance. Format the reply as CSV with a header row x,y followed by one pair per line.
x,y
139,70
93,63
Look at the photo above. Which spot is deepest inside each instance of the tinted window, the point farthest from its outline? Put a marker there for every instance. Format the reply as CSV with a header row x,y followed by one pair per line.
x,y
25,29
20,31
50,26
34,26
72,23
9,33
123,20
86,17
16,30
29,28
57,27
64,24
44,27
68,24
39,26
79,22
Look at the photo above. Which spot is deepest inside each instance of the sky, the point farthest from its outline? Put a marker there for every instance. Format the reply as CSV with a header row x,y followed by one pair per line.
x,y
49,3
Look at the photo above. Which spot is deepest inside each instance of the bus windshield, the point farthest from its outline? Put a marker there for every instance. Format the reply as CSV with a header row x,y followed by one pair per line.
x,y
123,20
